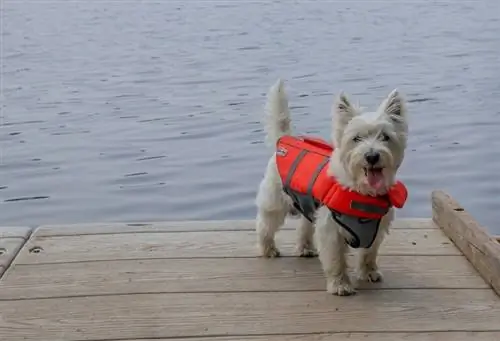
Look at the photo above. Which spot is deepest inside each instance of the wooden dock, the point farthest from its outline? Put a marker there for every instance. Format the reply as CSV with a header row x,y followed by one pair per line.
x,y
204,281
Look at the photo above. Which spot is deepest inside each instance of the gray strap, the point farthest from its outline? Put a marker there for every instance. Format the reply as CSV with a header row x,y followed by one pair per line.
x,y
368,208
310,185
293,167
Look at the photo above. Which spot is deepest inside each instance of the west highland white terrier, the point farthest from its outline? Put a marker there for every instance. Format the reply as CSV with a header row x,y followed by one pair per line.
x,y
345,193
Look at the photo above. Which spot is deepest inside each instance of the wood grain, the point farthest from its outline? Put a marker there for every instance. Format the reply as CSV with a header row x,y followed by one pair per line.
x,y
204,245
472,239
424,336
213,314
189,226
223,275
15,232
9,247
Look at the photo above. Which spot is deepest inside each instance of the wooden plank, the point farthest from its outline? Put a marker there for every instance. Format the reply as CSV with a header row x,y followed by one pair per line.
x,y
223,275
207,244
12,238
15,232
215,314
189,226
9,248
472,239
423,336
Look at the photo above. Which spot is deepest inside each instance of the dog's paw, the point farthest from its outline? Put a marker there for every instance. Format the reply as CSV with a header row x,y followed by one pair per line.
x,y
269,250
306,251
372,276
340,286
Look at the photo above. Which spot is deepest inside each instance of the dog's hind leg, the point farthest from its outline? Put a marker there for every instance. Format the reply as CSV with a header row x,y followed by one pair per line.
x,y
272,209
268,223
305,234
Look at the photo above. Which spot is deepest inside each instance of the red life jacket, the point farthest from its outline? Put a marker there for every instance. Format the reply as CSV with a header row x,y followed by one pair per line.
x,y
302,165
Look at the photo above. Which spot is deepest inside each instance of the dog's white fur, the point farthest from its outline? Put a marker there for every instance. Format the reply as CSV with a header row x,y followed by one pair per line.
x,y
354,133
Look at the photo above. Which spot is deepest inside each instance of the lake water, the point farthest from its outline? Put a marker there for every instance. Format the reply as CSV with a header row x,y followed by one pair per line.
x,y
133,111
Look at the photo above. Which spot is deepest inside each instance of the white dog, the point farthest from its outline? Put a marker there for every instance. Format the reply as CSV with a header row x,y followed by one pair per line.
x,y
369,149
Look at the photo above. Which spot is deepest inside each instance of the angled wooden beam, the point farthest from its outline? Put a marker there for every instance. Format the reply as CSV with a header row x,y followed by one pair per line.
x,y
481,249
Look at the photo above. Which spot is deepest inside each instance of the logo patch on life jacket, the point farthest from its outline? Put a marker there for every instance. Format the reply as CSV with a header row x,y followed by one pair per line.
x,y
364,220
281,151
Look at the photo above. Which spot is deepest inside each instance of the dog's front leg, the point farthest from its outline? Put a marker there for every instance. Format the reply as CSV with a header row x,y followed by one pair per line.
x,y
367,258
367,261
332,254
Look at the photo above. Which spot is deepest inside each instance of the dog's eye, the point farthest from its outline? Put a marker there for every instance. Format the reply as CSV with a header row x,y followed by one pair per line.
x,y
357,139
384,137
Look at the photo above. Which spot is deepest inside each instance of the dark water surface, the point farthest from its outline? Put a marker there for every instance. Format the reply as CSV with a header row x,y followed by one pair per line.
x,y
128,110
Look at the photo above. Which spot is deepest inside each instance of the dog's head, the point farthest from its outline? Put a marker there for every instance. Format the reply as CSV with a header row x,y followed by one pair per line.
x,y
369,147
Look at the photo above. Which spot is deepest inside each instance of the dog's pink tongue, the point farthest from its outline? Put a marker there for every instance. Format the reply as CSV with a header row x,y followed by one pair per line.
x,y
375,179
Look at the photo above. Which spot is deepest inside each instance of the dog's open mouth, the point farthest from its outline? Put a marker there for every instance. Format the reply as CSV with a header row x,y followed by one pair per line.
x,y
375,177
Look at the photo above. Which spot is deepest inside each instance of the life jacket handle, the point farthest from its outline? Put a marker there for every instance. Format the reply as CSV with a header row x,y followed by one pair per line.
x,y
318,142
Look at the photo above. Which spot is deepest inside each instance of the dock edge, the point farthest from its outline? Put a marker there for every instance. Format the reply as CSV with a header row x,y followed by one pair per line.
x,y
478,246
12,241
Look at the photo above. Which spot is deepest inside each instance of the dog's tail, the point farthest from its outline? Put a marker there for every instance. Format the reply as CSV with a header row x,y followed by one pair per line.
x,y
277,113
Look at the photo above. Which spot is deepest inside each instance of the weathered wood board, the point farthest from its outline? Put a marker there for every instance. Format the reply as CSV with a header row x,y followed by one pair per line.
x,y
481,249
204,281
11,241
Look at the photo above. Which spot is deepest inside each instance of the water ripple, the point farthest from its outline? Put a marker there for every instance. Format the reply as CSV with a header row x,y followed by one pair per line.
x,y
161,118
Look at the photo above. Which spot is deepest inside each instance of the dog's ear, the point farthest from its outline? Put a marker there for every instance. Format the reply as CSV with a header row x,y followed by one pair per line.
x,y
343,107
343,112
394,106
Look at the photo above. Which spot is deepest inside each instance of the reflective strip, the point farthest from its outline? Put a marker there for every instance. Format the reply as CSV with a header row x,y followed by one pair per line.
x,y
368,208
315,175
293,167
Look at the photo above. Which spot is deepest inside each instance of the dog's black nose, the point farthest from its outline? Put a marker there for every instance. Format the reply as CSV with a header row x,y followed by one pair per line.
x,y
372,157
